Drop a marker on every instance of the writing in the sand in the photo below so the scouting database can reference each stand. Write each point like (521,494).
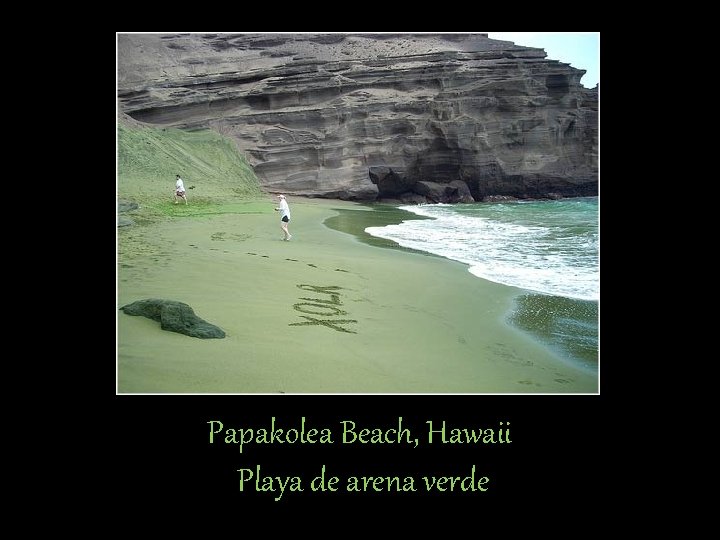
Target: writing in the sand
(323,310)
(399,433)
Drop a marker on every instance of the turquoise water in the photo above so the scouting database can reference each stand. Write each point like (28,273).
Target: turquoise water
(550,249)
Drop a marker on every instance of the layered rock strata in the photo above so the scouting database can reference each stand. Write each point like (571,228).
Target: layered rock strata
(375,116)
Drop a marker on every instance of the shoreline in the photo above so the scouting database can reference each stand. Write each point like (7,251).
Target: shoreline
(421,323)
(547,317)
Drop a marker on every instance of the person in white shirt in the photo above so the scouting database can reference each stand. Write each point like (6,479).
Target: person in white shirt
(179,189)
(284,210)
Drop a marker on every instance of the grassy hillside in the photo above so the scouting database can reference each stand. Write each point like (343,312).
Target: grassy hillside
(216,176)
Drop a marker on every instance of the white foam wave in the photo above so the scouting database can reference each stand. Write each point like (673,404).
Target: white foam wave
(550,259)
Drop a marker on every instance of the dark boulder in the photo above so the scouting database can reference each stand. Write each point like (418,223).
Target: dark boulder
(412,198)
(124,221)
(463,194)
(437,193)
(174,316)
(126,206)
(390,181)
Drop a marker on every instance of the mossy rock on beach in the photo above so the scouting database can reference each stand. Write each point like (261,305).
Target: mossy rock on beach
(174,316)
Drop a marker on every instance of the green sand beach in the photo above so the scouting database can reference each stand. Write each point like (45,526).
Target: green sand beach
(419,323)
(323,313)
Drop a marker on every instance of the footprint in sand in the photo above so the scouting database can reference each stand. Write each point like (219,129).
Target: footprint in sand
(563,381)
(295,260)
(529,382)
(217,236)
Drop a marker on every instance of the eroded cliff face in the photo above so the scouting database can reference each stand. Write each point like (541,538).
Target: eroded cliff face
(412,117)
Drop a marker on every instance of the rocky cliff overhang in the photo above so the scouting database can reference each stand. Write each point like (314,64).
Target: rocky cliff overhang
(375,116)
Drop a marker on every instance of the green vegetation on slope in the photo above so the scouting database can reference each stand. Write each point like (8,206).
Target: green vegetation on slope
(217,178)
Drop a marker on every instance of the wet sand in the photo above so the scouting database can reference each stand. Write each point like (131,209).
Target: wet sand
(412,323)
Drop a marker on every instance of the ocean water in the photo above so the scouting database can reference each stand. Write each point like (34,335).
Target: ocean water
(548,249)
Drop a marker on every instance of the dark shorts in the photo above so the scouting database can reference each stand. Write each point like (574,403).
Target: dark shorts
(285,219)
(179,193)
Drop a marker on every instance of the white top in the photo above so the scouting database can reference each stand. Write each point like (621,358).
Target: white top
(179,186)
(284,209)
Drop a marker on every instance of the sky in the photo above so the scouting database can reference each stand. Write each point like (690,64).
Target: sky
(579,49)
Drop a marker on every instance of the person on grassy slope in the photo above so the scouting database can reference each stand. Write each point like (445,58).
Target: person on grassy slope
(179,189)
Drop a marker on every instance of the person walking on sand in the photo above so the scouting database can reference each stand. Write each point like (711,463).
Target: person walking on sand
(284,210)
(179,189)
